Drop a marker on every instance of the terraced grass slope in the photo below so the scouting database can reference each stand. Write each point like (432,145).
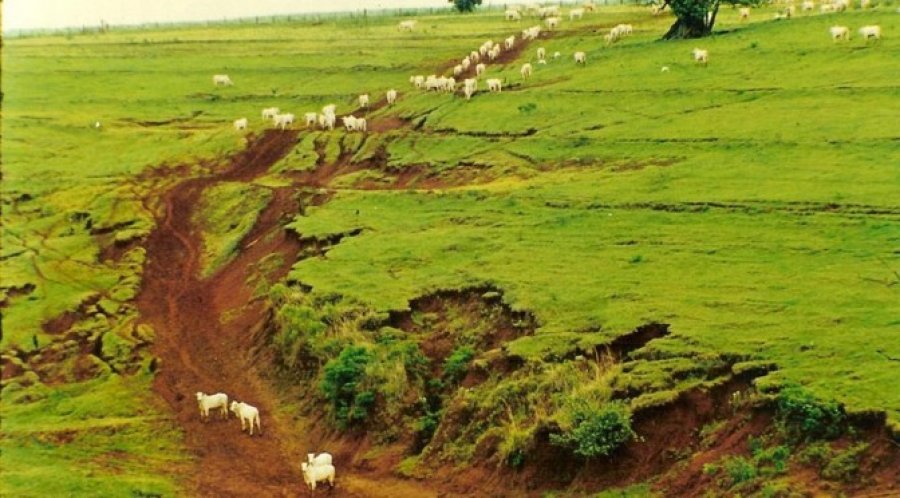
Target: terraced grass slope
(476,280)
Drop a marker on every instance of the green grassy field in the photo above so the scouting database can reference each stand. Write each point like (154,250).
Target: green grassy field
(751,204)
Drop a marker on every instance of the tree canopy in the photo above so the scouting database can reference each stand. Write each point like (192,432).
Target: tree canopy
(465,5)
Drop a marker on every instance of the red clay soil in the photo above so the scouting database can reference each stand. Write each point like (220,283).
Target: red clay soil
(202,350)
(198,352)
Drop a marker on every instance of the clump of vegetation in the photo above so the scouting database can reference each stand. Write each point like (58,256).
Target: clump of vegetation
(845,465)
(803,417)
(341,386)
(457,364)
(739,469)
(594,430)
(227,213)
(465,5)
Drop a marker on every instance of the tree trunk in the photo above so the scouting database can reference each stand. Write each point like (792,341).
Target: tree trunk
(693,25)
(687,27)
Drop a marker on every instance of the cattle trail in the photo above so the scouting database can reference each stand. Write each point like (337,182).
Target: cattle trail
(199,351)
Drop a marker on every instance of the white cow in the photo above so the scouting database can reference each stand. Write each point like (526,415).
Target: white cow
(310,118)
(391,96)
(222,80)
(526,70)
(249,415)
(364,100)
(552,23)
(327,121)
(479,69)
(240,124)
(541,53)
(873,31)
(745,13)
(580,58)
(208,402)
(314,474)
(283,120)
(495,85)
(406,25)
(513,15)
(839,33)
(270,112)
(576,13)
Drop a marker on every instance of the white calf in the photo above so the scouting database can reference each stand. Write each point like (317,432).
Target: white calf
(222,80)
(247,414)
(210,402)
(701,56)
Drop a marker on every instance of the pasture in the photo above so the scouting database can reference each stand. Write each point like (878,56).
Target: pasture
(750,206)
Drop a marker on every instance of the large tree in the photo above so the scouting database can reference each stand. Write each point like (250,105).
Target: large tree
(465,5)
(696,18)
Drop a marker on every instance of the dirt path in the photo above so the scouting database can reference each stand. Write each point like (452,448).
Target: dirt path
(204,333)
(201,352)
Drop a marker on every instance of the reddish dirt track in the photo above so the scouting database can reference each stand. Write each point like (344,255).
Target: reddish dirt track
(200,353)
(202,350)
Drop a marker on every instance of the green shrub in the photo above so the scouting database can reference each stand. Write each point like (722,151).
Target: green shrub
(776,456)
(457,364)
(425,427)
(341,386)
(739,469)
(803,417)
(815,454)
(845,465)
(595,431)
